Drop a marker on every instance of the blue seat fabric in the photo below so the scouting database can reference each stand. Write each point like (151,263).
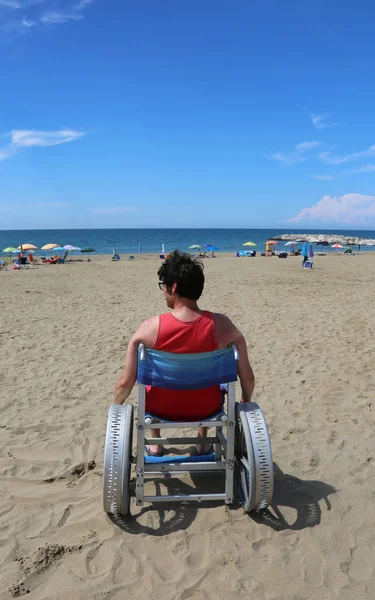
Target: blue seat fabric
(172,371)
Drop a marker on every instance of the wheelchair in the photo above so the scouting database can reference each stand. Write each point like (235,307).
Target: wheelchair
(242,449)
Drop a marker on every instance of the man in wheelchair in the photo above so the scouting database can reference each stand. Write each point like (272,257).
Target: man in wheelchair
(186,329)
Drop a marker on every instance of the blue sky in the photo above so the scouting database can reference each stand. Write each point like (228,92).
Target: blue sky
(177,113)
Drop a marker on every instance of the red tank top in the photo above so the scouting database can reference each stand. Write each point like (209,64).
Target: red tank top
(185,337)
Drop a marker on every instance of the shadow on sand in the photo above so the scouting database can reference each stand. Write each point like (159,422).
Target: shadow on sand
(172,516)
(289,491)
(302,496)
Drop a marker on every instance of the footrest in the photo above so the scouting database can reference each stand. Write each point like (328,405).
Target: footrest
(179,459)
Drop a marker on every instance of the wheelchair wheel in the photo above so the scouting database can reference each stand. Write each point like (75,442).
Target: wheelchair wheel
(254,457)
(117,459)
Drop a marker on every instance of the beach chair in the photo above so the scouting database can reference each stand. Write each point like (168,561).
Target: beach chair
(32,261)
(131,257)
(21,263)
(3,265)
(64,259)
(242,447)
(308,264)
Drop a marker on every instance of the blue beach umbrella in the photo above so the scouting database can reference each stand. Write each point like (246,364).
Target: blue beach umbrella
(304,250)
(212,248)
(311,252)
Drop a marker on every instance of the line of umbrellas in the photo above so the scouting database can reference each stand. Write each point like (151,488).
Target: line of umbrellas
(207,247)
(46,248)
(211,248)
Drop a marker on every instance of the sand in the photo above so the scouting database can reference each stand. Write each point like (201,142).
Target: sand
(64,330)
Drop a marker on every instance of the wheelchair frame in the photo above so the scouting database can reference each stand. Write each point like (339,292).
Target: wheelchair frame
(244,454)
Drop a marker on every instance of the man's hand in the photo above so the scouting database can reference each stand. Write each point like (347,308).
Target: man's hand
(146,334)
(128,378)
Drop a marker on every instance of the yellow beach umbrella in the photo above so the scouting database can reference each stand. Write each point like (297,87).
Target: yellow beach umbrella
(26,247)
(249,244)
(50,246)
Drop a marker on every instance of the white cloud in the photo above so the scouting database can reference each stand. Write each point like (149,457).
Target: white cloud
(54,17)
(71,10)
(6,153)
(113,210)
(50,204)
(287,159)
(307,146)
(337,160)
(10,3)
(298,155)
(74,13)
(18,4)
(350,209)
(320,121)
(325,177)
(25,138)
(364,169)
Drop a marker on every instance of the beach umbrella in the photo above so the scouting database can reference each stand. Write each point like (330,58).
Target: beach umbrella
(212,248)
(50,246)
(88,250)
(311,252)
(10,250)
(195,247)
(337,246)
(249,244)
(291,243)
(59,248)
(26,247)
(75,249)
(304,250)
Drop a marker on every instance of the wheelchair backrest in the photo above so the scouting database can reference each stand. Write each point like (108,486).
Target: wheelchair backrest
(172,371)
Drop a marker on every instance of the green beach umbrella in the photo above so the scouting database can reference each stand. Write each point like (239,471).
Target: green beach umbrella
(195,247)
(9,250)
(249,244)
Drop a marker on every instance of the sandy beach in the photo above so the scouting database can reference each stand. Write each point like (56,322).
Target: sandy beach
(64,331)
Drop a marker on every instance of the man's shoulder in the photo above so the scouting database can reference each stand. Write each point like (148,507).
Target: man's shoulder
(225,329)
(150,322)
(153,319)
(222,319)
(147,331)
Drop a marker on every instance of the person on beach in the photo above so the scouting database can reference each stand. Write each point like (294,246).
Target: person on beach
(186,329)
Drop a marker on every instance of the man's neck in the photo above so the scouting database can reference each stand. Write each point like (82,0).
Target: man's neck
(182,305)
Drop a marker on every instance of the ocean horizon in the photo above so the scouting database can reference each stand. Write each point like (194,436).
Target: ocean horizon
(150,240)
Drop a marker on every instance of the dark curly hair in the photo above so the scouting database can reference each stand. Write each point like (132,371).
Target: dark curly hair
(187,273)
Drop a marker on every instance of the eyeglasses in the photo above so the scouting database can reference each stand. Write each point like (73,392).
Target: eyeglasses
(161,285)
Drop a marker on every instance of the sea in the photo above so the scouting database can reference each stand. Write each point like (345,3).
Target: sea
(133,241)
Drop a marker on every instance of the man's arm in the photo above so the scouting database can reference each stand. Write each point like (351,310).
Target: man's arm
(245,371)
(227,332)
(146,334)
